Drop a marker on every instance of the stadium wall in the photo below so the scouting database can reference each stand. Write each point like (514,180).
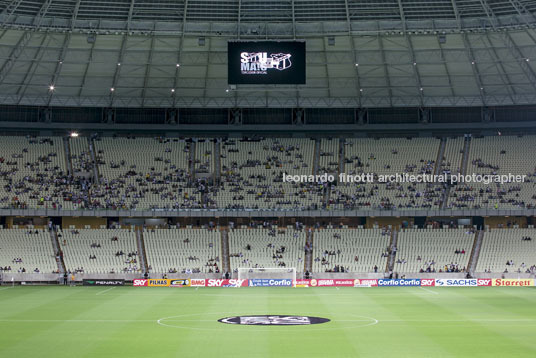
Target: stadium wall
(7,278)
(259,116)
(232,213)
(82,222)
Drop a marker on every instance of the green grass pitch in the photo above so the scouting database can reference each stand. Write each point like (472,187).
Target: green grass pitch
(182,322)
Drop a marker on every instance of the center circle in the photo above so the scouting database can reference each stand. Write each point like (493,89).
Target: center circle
(212,321)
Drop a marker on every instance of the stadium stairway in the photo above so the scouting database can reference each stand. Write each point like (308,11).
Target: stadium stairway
(342,155)
(475,252)
(316,159)
(217,161)
(68,158)
(191,162)
(392,254)
(465,157)
(440,156)
(205,198)
(141,250)
(91,145)
(437,170)
(226,262)
(56,245)
(326,196)
(308,260)
(445,197)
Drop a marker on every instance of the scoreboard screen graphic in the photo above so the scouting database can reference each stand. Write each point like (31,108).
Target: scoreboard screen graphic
(266,62)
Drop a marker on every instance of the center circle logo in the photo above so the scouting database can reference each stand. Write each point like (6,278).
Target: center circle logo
(273,320)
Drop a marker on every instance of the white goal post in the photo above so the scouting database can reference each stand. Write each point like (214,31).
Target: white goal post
(288,273)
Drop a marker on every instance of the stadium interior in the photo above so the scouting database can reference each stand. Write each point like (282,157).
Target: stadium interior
(212,205)
(138,147)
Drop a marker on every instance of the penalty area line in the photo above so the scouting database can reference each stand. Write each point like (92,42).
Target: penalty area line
(427,290)
(103,292)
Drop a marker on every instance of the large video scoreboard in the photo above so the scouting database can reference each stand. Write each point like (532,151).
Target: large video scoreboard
(266,62)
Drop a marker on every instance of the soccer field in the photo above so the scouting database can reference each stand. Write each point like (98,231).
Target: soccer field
(183,322)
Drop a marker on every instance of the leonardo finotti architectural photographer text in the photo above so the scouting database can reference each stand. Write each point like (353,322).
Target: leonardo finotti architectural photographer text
(405,178)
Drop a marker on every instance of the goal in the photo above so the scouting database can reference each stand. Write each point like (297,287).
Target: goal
(288,273)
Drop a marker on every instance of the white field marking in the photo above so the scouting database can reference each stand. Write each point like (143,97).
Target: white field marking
(462,320)
(300,295)
(4,288)
(211,320)
(427,290)
(106,290)
(373,320)
(76,320)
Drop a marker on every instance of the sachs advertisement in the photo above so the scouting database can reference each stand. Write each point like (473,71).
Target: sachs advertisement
(457,282)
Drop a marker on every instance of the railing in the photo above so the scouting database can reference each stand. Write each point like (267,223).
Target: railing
(291,212)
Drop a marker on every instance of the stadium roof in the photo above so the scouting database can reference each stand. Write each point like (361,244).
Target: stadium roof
(380,53)
(262,11)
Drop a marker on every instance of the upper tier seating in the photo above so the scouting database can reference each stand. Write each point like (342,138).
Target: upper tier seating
(203,156)
(452,157)
(388,156)
(32,172)
(80,155)
(329,156)
(163,173)
(499,155)
(145,173)
(252,174)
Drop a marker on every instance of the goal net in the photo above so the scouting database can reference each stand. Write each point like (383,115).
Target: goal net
(287,273)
